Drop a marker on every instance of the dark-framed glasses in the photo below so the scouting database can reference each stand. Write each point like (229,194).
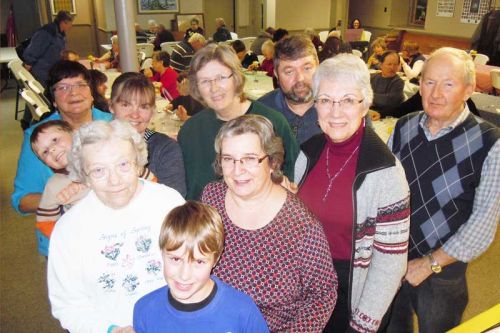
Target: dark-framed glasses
(247,162)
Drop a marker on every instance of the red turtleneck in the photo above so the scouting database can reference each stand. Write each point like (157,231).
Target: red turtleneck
(336,211)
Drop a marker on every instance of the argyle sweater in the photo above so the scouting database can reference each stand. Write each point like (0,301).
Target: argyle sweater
(443,175)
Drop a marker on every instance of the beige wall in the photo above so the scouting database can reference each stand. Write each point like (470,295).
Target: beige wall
(299,14)
(372,14)
(448,26)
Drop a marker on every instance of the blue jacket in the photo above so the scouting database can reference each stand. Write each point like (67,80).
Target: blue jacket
(44,51)
(32,174)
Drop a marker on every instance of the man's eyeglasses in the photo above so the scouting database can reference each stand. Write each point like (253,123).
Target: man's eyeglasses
(101,173)
(67,88)
(219,80)
(344,103)
(247,162)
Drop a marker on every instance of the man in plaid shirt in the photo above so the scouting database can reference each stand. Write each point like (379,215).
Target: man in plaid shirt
(452,164)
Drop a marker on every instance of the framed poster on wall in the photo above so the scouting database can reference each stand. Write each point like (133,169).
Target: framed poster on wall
(157,6)
(184,21)
(57,5)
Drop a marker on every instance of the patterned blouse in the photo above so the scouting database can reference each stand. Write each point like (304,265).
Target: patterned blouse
(284,266)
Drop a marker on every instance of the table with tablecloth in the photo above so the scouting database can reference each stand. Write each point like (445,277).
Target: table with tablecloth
(483,79)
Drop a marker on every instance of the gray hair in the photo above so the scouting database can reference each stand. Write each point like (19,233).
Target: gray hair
(269,141)
(345,67)
(196,37)
(114,39)
(103,132)
(467,64)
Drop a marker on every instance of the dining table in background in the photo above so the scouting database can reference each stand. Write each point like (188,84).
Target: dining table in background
(257,84)
(483,79)
(163,121)
(384,127)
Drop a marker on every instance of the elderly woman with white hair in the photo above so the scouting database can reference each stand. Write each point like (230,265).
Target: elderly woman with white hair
(104,253)
(353,184)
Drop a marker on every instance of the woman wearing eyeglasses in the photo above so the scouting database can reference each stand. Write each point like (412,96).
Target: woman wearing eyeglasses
(275,249)
(104,252)
(216,80)
(353,184)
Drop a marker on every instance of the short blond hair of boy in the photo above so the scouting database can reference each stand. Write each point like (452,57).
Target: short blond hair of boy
(193,224)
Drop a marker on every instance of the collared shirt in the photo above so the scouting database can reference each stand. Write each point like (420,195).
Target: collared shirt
(445,130)
(303,127)
(476,235)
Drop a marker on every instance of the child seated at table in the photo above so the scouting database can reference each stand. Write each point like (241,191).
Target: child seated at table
(191,241)
(51,142)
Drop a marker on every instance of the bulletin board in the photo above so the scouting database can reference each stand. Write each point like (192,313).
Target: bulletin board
(474,10)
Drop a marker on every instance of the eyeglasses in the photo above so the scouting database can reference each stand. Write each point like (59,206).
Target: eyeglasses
(67,88)
(220,80)
(101,173)
(344,103)
(247,162)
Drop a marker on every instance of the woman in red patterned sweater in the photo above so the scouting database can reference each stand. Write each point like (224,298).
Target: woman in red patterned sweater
(275,249)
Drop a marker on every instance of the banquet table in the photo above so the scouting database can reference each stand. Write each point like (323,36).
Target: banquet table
(165,122)
(483,79)
(488,107)
(257,84)
(384,127)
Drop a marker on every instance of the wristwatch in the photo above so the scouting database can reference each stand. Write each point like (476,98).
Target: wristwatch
(435,266)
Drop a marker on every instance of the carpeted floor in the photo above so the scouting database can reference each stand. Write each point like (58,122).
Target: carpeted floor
(23,291)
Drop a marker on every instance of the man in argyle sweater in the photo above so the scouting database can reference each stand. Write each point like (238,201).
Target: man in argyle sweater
(452,163)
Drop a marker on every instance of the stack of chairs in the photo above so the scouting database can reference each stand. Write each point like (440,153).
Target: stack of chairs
(30,90)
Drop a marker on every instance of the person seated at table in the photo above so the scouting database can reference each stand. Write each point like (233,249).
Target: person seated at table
(279,34)
(275,249)
(140,35)
(267,64)
(331,48)
(104,253)
(110,59)
(248,59)
(355,24)
(184,51)
(164,74)
(163,35)
(185,104)
(191,242)
(152,27)
(69,85)
(51,142)
(387,85)
(216,80)
(194,29)
(98,86)
(222,34)
(256,46)
(313,35)
(69,55)
(133,100)
(412,61)
(353,184)
(378,48)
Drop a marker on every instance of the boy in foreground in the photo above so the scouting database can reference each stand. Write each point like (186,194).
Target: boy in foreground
(192,240)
